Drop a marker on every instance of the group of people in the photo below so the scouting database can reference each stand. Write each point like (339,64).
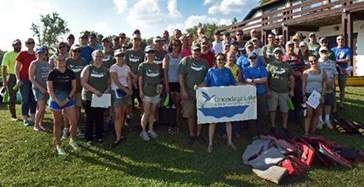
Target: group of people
(139,73)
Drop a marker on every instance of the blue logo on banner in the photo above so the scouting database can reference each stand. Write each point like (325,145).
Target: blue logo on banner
(219,112)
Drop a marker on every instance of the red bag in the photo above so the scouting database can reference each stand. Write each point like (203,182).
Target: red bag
(325,150)
(294,166)
(307,153)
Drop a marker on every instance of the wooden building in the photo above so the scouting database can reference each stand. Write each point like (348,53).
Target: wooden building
(327,18)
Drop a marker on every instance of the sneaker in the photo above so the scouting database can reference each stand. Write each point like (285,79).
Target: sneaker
(152,134)
(232,146)
(144,136)
(60,151)
(89,143)
(41,127)
(13,119)
(320,124)
(65,133)
(74,145)
(126,124)
(26,123)
(128,116)
(200,139)
(328,124)
(209,149)
(36,129)
(191,140)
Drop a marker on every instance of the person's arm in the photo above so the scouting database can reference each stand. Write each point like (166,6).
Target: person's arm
(141,91)
(165,67)
(5,75)
(292,85)
(324,84)
(84,82)
(304,82)
(130,90)
(18,66)
(74,88)
(51,93)
(115,80)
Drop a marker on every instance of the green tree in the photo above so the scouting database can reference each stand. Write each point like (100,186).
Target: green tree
(209,29)
(235,20)
(51,28)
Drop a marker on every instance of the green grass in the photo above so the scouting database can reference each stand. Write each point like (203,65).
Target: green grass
(28,158)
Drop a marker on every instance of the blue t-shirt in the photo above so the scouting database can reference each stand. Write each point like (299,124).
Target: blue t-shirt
(255,73)
(243,61)
(342,53)
(219,77)
(85,53)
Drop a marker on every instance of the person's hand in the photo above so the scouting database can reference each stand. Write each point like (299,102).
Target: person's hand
(5,83)
(135,84)
(167,88)
(184,95)
(269,94)
(19,83)
(129,92)
(141,94)
(98,93)
(322,99)
(291,93)
(60,103)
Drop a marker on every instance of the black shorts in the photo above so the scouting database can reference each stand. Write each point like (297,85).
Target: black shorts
(330,98)
(174,87)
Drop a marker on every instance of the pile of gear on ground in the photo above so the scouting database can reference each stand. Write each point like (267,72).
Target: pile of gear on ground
(273,158)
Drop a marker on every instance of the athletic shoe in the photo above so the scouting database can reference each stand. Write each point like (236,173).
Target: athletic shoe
(209,149)
(60,151)
(191,140)
(328,124)
(26,123)
(320,124)
(144,136)
(13,119)
(36,129)
(128,116)
(42,128)
(152,134)
(126,124)
(232,146)
(74,145)
(200,139)
(65,133)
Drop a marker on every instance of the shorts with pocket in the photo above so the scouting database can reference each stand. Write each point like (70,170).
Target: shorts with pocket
(278,99)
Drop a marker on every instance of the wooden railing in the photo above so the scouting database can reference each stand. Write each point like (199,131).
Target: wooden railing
(300,12)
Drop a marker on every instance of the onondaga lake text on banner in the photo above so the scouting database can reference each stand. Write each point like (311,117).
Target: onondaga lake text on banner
(225,104)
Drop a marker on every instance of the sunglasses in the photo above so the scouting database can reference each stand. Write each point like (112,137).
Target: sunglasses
(76,51)
(197,50)
(122,37)
(28,43)
(62,46)
(220,59)
(313,61)
(253,58)
(120,55)
(239,34)
(151,52)
(205,43)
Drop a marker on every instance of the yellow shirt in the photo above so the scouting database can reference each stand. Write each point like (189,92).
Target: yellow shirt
(9,61)
(235,70)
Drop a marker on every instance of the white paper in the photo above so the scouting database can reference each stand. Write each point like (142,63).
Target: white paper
(101,102)
(314,99)
(349,69)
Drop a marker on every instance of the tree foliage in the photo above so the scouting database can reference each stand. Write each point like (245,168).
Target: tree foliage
(209,29)
(52,26)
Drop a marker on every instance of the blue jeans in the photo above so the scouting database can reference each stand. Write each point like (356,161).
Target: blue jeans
(27,98)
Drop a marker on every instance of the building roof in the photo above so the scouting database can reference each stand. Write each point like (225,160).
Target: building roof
(263,6)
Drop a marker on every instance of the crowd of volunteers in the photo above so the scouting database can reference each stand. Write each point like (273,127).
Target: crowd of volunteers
(137,75)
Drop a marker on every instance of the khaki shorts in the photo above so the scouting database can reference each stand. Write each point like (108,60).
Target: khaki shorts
(280,99)
(189,108)
(124,101)
(78,101)
(154,99)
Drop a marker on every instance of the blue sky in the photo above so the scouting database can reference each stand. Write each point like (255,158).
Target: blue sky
(108,17)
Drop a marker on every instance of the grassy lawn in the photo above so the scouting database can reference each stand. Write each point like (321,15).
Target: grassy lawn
(28,158)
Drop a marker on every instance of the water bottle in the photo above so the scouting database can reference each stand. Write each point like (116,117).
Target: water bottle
(290,104)
(304,107)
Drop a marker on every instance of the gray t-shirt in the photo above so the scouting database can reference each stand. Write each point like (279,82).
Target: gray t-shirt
(41,72)
(152,76)
(133,59)
(329,67)
(159,56)
(194,71)
(76,66)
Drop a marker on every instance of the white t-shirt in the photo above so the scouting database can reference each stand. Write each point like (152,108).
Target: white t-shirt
(217,47)
(122,73)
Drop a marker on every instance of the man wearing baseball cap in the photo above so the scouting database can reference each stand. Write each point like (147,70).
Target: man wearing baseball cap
(313,46)
(280,87)
(240,42)
(85,50)
(160,53)
(8,74)
(192,71)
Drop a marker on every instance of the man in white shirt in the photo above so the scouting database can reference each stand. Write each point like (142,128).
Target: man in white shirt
(217,46)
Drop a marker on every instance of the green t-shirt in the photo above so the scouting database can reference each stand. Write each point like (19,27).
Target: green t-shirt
(314,48)
(194,71)
(133,59)
(9,61)
(108,59)
(152,76)
(278,76)
(98,78)
(76,66)
(267,53)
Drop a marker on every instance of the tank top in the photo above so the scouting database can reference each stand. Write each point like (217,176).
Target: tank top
(98,79)
(314,82)
(41,72)
(173,68)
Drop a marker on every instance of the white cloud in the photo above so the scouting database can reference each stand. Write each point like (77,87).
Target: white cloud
(121,5)
(172,8)
(230,6)
(18,16)
(206,2)
(144,14)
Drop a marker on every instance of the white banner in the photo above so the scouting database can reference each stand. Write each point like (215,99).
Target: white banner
(225,104)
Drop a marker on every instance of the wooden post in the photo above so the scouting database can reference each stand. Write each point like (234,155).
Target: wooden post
(344,26)
(264,36)
(285,33)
